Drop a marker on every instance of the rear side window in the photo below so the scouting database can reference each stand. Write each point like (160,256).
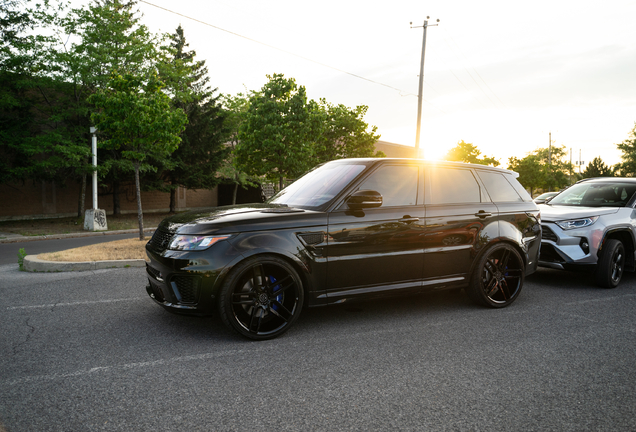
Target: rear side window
(452,186)
(499,189)
(396,183)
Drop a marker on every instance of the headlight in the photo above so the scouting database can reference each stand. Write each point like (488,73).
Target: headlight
(194,242)
(577,223)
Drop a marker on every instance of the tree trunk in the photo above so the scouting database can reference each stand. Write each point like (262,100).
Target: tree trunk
(235,193)
(280,183)
(173,200)
(116,206)
(81,204)
(140,214)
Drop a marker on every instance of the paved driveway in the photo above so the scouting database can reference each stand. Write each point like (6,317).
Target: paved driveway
(88,351)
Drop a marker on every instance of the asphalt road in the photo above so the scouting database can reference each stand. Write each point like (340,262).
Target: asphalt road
(9,251)
(90,352)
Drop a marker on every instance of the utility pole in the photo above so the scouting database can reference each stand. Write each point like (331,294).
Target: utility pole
(419,94)
(550,149)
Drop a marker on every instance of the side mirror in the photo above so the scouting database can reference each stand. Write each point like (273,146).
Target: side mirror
(364,199)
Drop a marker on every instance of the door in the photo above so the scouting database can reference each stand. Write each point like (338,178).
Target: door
(460,221)
(378,249)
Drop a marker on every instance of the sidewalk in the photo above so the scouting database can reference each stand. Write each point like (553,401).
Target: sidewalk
(16,238)
(34,264)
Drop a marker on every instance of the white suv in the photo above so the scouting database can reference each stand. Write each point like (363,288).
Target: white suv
(591,225)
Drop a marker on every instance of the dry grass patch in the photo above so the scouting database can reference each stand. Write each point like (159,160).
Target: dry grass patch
(115,250)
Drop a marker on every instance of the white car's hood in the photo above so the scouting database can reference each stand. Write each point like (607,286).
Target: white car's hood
(560,212)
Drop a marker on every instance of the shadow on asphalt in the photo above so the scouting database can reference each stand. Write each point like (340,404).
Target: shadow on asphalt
(561,279)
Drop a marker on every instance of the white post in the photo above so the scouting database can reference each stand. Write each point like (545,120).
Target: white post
(94,148)
(95,219)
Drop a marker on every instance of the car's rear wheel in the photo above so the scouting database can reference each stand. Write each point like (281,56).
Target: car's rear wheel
(498,277)
(611,264)
(261,297)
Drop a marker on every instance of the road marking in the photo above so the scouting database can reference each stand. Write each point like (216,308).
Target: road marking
(126,366)
(88,302)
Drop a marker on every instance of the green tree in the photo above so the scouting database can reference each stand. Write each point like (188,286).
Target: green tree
(530,171)
(627,166)
(556,171)
(342,132)
(195,163)
(38,141)
(597,168)
(137,118)
(274,138)
(110,39)
(235,111)
(467,152)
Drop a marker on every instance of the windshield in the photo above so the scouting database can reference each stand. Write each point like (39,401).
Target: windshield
(319,185)
(592,194)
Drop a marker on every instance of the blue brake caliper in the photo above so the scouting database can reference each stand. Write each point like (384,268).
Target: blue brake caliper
(276,288)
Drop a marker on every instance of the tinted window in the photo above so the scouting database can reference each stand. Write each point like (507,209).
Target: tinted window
(452,186)
(523,193)
(498,187)
(396,183)
(318,186)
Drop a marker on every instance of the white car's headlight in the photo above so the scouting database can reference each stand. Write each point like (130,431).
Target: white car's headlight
(577,223)
(193,242)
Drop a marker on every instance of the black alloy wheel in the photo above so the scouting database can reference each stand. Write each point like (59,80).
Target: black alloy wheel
(611,264)
(261,297)
(498,276)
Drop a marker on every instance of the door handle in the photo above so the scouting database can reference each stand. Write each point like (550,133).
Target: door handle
(482,214)
(409,219)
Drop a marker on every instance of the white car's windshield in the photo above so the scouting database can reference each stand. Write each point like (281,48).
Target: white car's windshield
(318,186)
(596,194)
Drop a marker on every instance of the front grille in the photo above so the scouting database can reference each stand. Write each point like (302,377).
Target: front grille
(548,234)
(160,239)
(187,288)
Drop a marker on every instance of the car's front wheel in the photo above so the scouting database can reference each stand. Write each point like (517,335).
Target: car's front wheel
(261,297)
(498,276)
(611,264)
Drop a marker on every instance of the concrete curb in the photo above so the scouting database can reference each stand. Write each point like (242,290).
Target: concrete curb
(19,238)
(34,264)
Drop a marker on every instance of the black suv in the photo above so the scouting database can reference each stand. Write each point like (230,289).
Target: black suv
(347,229)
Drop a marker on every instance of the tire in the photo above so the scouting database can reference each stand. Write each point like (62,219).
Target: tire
(261,297)
(498,277)
(611,264)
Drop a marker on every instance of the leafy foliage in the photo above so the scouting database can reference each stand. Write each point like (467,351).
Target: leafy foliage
(343,133)
(275,136)
(136,117)
(530,171)
(235,109)
(627,168)
(597,168)
(543,168)
(195,163)
(468,152)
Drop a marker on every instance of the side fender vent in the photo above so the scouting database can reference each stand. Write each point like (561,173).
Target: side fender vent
(312,238)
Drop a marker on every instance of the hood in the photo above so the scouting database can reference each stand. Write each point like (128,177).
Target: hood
(242,218)
(560,212)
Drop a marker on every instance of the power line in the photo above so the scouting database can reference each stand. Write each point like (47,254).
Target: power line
(402,92)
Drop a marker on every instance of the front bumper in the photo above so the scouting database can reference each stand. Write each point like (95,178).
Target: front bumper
(186,281)
(563,249)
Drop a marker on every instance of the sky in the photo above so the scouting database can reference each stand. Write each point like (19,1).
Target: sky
(499,74)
